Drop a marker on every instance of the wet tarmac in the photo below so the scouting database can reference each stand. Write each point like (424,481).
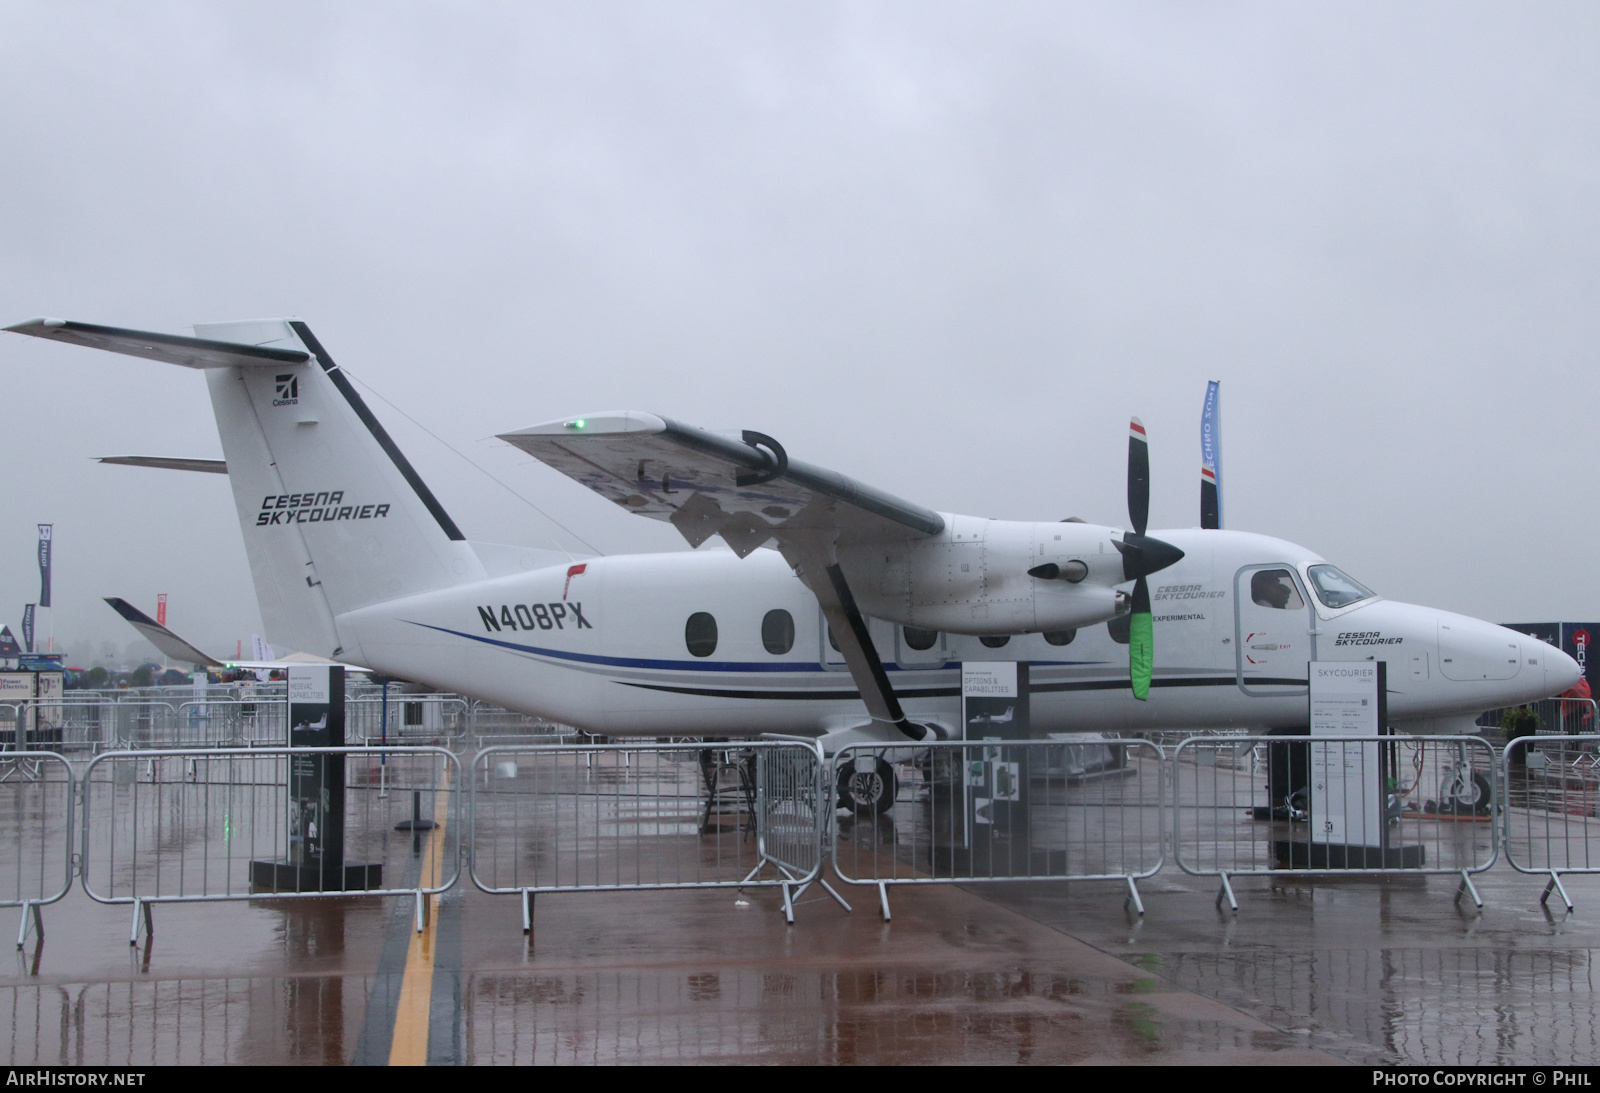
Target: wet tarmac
(678,976)
(1326,971)
(1369,970)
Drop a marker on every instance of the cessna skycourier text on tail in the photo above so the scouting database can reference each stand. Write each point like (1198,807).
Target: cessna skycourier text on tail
(853,625)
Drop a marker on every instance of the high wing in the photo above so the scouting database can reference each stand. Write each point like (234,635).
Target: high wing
(159,636)
(750,492)
(704,484)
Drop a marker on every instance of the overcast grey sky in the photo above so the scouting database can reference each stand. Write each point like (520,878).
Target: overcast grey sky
(943,248)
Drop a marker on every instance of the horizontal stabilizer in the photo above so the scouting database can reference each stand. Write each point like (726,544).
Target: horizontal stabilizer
(163,639)
(171,348)
(207,466)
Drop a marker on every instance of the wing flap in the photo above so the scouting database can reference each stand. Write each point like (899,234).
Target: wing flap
(169,348)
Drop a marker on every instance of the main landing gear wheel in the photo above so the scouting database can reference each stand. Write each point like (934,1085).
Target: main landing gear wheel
(1475,796)
(868,792)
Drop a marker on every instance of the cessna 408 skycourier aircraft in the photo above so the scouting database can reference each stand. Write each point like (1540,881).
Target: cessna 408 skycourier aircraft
(853,627)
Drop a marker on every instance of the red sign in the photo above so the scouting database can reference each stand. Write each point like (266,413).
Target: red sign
(1580,638)
(161,609)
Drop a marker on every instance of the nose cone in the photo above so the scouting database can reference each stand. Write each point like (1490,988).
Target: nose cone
(1142,555)
(1561,672)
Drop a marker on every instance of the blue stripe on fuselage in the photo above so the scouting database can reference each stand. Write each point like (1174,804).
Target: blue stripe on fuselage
(692,665)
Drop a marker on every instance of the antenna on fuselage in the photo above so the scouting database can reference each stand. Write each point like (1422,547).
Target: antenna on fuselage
(1211,458)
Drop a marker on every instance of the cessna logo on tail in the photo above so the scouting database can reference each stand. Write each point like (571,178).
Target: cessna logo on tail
(288,390)
(314,508)
(535,616)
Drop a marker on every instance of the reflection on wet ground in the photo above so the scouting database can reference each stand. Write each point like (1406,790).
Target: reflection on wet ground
(1369,970)
(640,977)
(1348,970)
(179,1021)
(889,1016)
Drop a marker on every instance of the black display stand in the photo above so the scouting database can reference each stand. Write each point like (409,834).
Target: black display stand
(316,795)
(1291,764)
(993,781)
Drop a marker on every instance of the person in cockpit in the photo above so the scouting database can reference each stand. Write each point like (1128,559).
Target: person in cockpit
(1274,588)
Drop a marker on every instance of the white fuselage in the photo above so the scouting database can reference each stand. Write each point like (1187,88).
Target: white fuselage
(606,650)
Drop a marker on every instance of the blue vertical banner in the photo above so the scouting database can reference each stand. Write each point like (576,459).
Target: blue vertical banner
(45,531)
(27,628)
(1211,458)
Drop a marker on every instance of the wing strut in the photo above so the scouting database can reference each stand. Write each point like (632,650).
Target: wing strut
(860,655)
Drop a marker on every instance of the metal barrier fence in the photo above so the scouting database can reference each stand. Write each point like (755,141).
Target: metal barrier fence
(493,723)
(1168,739)
(247,715)
(1337,806)
(187,825)
(232,723)
(170,825)
(91,721)
(609,817)
(73,723)
(1088,808)
(1552,790)
(1546,717)
(406,718)
(36,866)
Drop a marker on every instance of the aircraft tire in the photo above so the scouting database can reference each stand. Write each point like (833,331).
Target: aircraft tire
(868,794)
(1479,799)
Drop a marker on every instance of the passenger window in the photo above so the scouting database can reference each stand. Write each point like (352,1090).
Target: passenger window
(700,634)
(777,631)
(995,641)
(919,639)
(1275,588)
(1060,637)
(1121,629)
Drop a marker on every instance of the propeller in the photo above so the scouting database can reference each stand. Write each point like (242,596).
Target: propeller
(1141,556)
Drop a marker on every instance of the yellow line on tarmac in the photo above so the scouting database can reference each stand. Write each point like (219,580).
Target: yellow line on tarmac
(410,1046)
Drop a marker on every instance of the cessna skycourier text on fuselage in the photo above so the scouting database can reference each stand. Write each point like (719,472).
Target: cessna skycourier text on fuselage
(854,624)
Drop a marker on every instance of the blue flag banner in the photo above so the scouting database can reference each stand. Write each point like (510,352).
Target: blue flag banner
(27,628)
(45,531)
(1211,458)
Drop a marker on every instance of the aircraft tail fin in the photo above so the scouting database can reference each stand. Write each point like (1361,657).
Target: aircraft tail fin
(335,518)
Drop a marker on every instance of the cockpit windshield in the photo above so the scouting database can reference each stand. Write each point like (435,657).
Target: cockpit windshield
(1335,589)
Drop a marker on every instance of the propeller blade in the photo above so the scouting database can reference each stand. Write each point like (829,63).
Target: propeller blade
(1138,476)
(1141,641)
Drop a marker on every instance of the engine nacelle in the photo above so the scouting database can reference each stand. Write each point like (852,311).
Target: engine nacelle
(974,578)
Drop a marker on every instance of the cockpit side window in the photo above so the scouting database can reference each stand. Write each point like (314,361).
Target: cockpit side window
(1275,588)
(1335,589)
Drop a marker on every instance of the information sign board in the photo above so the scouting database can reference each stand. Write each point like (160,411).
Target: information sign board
(1347,779)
